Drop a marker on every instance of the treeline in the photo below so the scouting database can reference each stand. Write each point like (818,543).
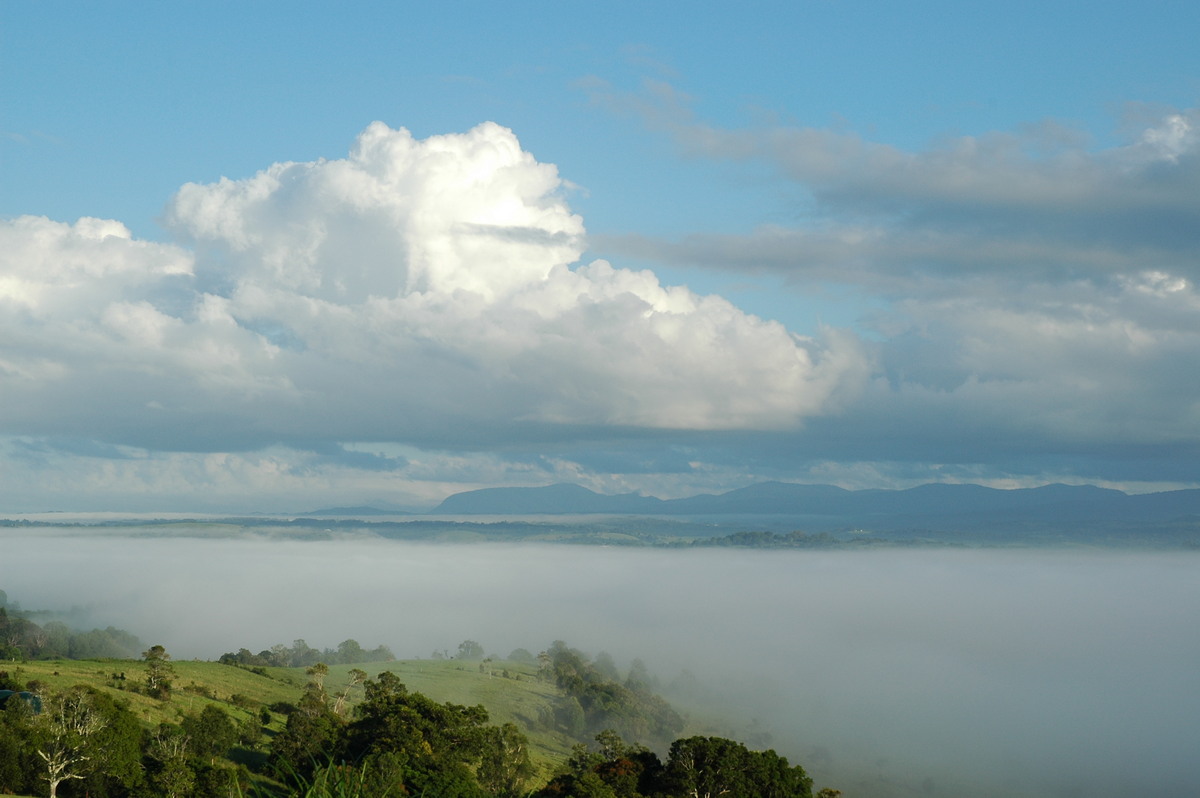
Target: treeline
(302,655)
(775,540)
(695,766)
(761,539)
(22,638)
(596,699)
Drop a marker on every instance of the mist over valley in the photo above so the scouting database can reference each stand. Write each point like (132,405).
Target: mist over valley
(884,673)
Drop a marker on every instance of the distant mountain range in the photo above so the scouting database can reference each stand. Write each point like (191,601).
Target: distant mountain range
(934,505)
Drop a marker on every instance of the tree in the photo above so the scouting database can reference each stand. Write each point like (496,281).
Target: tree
(317,674)
(772,776)
(504,766)
(606,667)
(350,653)
(280,656)
(116,750)
(613,769)
(210,734)
(357,677)
(80,735)
(13,630)
(159,672)
(168,752)
(569,716)
(469,649)
(392,719)
(70,720)
(707,767)
(311,733)
(303,655)
(584,785)
(522,655)
(607,704)
(20,737)
(640,680)
(434,746)
(58,643)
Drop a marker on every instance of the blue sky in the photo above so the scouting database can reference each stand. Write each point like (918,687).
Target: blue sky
(873,244)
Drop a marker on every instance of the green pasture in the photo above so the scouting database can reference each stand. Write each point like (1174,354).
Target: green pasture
(239,692)
(510,691)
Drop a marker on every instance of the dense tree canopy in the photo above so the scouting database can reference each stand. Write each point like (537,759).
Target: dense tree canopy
(696,767)
(594,701)
(22,638)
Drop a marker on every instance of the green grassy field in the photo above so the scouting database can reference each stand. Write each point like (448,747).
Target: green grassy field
(518,697)
(196,684)
(510,691)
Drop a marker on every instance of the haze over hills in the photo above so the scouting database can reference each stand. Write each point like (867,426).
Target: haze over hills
(932,506)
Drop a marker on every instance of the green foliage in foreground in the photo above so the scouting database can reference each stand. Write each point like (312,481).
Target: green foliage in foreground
(331,732)
(699,767)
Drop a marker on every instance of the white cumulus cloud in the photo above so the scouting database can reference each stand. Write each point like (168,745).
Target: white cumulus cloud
(415,290)
(468,211)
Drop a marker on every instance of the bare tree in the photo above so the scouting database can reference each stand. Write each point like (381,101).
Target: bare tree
(357,677)
(70,719)
(317,674)
(170,747)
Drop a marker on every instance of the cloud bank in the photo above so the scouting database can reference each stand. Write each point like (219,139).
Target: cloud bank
(1031,294)
(417,291)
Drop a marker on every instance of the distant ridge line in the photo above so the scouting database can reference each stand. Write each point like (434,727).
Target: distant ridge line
(940,500)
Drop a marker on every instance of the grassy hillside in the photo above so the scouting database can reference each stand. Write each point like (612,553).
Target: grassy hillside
(518,697)
(510,691)
(237,691)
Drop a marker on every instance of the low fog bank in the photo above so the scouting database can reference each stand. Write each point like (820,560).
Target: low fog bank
(888,673)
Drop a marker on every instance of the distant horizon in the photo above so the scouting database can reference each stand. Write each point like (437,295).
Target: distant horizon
(384,507)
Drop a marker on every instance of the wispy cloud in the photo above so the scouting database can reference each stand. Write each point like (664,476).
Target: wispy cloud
(1034,293)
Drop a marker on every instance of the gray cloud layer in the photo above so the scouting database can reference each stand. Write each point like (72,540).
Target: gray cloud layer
(1034,293)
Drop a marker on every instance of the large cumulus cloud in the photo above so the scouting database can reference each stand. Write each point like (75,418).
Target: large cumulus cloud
(471,212)
(417,290)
